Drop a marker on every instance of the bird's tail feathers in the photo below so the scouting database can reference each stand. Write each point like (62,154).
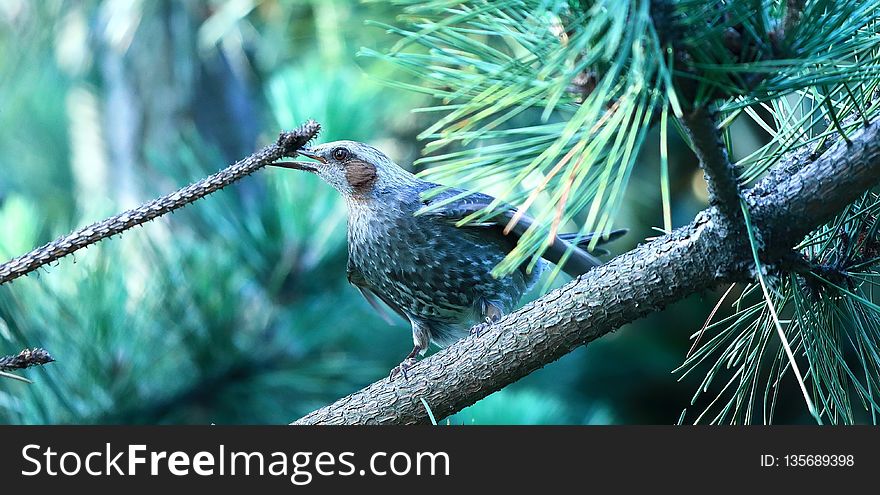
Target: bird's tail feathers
(585,240)
(580,260)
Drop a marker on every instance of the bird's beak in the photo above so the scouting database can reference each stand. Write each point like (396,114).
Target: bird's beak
(307,166)
(311,154)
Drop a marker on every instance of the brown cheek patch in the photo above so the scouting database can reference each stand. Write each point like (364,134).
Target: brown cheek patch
(360,175)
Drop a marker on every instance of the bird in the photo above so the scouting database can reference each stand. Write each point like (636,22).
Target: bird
(407,253)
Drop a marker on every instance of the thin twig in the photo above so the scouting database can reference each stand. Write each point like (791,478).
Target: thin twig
(25,359)
(794,10)
(286,146)
(719,172)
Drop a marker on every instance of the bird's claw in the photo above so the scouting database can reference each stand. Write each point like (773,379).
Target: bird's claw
(402,368)
(479,328)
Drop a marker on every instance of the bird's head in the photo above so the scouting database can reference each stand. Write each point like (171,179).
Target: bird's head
(356,170)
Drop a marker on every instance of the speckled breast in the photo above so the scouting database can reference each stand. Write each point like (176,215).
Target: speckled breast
(427,267)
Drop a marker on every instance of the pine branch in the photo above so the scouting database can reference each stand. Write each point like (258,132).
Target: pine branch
(691,259)
(286,146)
(721,182)
(794,10)
(25,359)
(700,122)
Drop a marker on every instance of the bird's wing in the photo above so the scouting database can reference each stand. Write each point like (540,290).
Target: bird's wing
(579,261)
(357,279)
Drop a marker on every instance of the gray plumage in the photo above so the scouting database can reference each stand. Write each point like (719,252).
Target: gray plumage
(430,272)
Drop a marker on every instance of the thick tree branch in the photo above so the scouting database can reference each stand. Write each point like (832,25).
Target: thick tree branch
(286,146)
(691,259)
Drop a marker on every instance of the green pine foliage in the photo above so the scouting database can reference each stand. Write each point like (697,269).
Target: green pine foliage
(545,102)
(830,320)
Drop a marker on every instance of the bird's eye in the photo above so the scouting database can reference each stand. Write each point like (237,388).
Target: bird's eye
(340,154)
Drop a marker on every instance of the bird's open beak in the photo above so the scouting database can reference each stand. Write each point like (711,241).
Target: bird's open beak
(307,166)
(311,154)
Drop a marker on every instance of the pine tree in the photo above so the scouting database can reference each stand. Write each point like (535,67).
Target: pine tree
(561,95)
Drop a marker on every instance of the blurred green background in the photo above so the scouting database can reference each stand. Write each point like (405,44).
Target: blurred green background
(237,309)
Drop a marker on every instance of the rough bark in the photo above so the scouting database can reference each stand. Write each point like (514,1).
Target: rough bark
(25,359)
(700,123)
(784,207)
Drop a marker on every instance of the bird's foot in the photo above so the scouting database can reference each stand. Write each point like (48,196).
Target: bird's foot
(402,368)
(479,328)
